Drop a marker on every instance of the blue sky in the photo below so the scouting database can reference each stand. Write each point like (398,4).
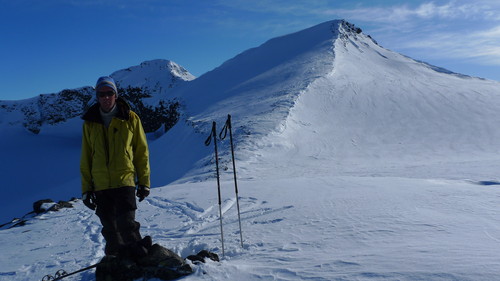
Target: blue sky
(50,45)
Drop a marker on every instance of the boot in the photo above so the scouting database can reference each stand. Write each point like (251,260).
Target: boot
(146,242)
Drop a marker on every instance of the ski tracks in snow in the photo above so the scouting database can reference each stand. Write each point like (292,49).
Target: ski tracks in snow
(197,221)
(90,240)
(92,232)
(33,252)
(189,228)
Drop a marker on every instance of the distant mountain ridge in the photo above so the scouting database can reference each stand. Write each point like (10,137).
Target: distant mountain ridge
(146,86)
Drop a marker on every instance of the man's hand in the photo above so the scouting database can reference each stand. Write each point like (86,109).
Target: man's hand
(142,192)
(88,199)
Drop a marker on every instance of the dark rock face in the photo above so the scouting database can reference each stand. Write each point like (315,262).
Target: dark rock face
(164,115)
(53,109)
(160,263)
(38,206)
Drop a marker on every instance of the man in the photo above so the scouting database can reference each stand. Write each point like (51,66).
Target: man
(114,158)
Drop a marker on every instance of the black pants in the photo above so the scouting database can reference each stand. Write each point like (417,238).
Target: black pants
(116,210)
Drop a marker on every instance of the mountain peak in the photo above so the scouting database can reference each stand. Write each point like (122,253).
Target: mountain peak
(307,53)
(344,30)
(159,76)
(348,27)
(174,68)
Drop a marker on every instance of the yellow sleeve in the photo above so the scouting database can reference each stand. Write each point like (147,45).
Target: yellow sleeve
(86,160)
(141,153)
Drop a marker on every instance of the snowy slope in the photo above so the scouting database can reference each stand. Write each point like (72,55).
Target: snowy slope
(377,110)
(355,163)
(259,87)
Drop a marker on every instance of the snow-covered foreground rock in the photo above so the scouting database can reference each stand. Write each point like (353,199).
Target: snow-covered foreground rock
(317,228)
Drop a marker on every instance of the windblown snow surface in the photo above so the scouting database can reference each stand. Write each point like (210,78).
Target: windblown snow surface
(353,163)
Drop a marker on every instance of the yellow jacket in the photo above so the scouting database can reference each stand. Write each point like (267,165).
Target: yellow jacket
(116,156)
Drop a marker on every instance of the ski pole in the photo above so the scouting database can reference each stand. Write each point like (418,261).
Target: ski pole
(60,274)
(226,127)
(207,143)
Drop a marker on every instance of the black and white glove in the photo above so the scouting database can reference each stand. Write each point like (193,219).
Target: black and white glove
(88,199)
(142,192)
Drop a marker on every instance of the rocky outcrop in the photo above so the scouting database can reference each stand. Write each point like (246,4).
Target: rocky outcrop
(39,207)
(160,263)
(46,205)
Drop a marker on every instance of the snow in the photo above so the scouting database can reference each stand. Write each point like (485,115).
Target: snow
(353,163)
(340,228)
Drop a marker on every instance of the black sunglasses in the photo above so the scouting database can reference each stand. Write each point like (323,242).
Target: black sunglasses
(105,94)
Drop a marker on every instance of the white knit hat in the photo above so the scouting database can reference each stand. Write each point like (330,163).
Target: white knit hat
(106,81)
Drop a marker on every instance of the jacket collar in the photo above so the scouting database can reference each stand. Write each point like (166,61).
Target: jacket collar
(93,114)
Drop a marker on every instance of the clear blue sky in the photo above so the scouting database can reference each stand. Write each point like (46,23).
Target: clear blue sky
(50,45)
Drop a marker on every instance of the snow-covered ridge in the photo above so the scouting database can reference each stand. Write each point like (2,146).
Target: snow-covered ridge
(154,79)
(375,108)
(46,109)
(339,96)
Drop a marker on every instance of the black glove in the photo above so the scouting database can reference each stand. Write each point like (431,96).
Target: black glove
(88,199)
(142,192)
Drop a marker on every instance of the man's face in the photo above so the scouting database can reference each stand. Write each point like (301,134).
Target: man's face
(107,98)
